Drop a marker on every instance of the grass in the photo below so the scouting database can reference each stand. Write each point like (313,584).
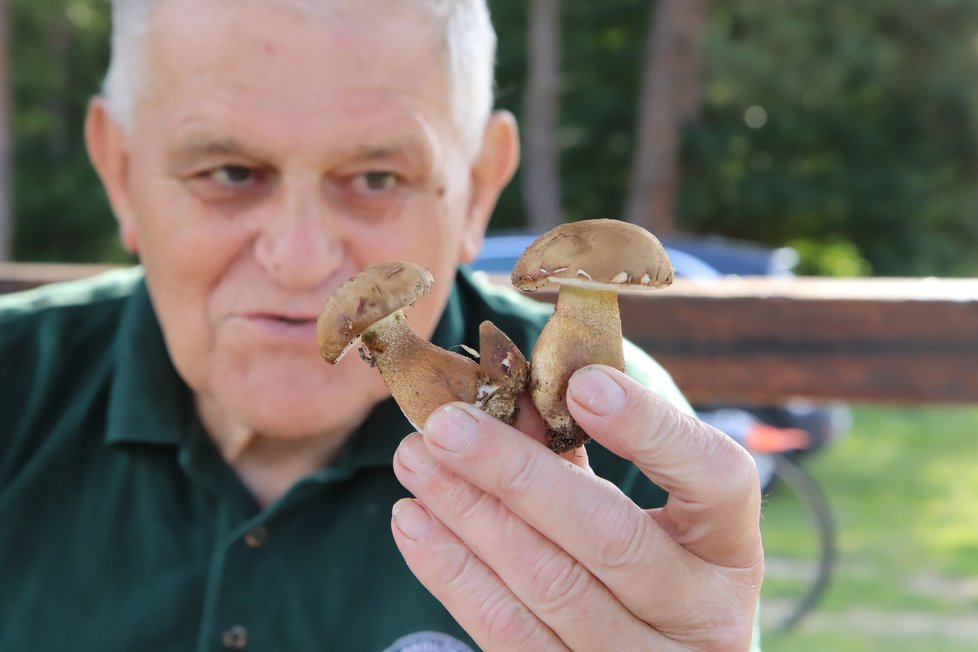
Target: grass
(903,486)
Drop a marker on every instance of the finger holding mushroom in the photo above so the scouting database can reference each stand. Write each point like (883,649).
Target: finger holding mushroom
(420,375)
(590,262)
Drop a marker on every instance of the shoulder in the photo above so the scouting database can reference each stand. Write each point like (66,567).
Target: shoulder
(49,301)
(643,368)
(63,315)
(52,337)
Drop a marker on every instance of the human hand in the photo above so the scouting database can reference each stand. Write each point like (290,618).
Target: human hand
(532,551)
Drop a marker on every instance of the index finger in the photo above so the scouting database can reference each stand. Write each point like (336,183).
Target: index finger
(713,508)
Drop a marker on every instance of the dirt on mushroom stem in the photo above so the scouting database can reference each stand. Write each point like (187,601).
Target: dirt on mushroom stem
(584,329)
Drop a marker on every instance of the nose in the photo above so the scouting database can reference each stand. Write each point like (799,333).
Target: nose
(300,245)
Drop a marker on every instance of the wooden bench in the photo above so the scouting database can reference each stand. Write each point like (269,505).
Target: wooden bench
(764,340)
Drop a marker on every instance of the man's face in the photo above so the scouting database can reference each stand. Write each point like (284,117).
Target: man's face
(273,156)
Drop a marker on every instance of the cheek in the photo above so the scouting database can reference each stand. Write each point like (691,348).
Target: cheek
(179,237)
(186,254)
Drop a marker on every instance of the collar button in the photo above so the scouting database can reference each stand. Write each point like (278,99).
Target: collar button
(235,637)
(256,538)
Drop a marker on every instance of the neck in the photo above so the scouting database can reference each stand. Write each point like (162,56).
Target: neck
(267,465)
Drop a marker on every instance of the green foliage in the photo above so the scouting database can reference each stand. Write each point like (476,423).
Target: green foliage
(848,127)
(869,133)
(59,51)
(823,257)
(603,48)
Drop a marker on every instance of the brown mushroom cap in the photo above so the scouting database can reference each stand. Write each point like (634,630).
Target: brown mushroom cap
(376,292)
(599,254)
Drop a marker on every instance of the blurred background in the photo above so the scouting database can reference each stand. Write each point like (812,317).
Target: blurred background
(847,131)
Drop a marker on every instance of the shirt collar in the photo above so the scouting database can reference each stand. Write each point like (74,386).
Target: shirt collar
(149,403)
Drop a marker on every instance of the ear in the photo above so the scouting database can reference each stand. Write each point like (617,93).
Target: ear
(108,149)
(492,169)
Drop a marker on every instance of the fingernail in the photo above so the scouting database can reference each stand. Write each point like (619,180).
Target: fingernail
(451,428)
(412,455)
(596,391)
(411,519)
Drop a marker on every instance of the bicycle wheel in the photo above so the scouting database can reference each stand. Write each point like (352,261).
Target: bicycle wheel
(799,546)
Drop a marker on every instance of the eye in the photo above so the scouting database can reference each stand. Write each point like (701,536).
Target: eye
(232,175)
(370,183)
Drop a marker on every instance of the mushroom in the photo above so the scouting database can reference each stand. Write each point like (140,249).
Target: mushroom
(420,376)
(590,261)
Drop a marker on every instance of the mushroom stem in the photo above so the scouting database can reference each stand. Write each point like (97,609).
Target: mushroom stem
(584,329)
(419,375)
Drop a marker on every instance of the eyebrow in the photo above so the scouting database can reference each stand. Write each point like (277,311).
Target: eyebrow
(403,148)
(194,149)
(187,153)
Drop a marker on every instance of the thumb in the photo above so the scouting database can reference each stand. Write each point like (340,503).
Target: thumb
(714,494)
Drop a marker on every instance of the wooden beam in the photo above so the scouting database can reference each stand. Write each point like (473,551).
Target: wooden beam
(16,277)
(764,340)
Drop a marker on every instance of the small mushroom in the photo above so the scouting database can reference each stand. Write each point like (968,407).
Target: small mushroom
(590,261)
(420,376)
(503,373)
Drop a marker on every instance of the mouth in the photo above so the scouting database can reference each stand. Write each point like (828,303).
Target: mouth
(291,320)
(291,326)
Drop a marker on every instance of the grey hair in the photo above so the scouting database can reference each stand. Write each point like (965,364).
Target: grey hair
(469,43)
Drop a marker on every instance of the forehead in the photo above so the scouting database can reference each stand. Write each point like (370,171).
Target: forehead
(368,61)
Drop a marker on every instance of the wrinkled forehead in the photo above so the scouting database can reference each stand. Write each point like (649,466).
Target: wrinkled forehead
(367,43)
(288,82)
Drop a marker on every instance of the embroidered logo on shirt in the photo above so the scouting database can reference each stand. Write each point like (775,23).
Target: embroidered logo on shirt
(428,642)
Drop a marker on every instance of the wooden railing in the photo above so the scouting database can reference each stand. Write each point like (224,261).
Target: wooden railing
(763,340)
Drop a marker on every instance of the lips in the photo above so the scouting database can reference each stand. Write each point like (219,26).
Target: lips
(290,325)
(283,316)
(289,320)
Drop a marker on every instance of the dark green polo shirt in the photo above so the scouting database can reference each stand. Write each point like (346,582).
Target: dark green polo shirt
(122,528)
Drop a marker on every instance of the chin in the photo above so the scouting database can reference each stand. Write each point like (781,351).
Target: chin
(284,417)
(294,405)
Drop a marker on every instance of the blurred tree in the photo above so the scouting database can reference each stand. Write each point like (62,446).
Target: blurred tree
(541,171)
(821,123)
(58,49)
(829,123)
(669,99)
(6,212)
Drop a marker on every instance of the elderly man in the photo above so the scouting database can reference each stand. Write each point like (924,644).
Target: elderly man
(180,470)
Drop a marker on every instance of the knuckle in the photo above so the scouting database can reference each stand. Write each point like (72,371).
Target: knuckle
(558,582)
(468,502)
(517,474)
(732,466)
(666,428)
(507,623)
(457,565)
(623,540)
